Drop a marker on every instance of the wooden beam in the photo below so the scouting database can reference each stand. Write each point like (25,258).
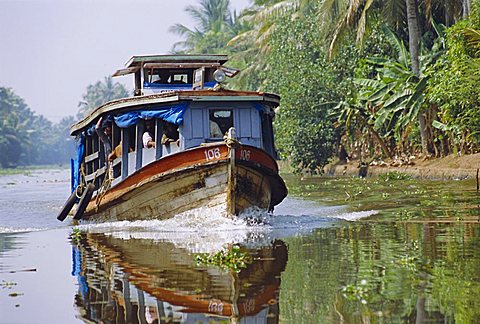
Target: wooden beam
(139,145)
(124,142)
(184,65)
(158,138)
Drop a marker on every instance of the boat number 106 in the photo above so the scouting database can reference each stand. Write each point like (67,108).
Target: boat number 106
(245,155)
(212,154)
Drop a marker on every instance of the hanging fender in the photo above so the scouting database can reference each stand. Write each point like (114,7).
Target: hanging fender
(67,207)
(84,200)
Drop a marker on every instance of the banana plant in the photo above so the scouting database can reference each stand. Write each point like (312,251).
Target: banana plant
(354,116)
(397,94)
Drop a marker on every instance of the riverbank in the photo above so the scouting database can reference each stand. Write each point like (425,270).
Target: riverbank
(447,168)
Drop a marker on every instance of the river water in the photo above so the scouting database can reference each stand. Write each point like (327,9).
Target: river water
(337,250)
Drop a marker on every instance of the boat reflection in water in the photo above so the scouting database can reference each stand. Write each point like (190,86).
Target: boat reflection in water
(146,281)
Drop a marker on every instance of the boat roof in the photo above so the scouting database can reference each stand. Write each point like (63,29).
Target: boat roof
(171,61)
(132,103)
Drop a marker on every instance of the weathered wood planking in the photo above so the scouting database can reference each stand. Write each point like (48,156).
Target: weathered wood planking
(193,179)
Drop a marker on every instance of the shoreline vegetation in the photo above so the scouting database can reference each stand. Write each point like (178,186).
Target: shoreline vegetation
(26,170)
(451,167)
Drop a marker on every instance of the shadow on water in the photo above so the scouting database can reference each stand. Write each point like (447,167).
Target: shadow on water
(147,281)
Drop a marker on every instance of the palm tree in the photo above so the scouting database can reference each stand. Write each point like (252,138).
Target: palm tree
(211,16)
(100,93)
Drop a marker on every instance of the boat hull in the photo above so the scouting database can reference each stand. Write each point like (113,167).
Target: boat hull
(194,179)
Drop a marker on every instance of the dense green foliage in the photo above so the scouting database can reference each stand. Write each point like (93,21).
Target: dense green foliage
(26,138)
(386,97)
(304,78)
(455,88)
(30,139)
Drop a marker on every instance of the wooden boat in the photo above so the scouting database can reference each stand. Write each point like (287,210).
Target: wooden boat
(125,281)
(199,167)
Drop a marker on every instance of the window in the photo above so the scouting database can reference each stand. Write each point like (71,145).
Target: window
(220,120)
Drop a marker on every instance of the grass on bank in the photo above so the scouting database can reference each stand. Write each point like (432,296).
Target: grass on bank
(27,170)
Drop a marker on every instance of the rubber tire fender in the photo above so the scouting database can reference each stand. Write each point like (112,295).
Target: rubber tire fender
(84,200)
(67,207)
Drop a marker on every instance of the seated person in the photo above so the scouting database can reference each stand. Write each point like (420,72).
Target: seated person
(148,137)
(215,131)
(117,152)
(163,77)
(170,134)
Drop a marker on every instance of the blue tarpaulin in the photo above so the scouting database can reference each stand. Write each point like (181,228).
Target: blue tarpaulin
(80,149)
(171,113)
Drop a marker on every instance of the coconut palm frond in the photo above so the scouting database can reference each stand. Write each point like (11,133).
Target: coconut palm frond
(180,29)
(473,38)
(363,21)
(394,11)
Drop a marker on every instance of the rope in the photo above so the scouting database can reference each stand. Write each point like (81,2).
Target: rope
(230,139)
(82,184)
(107,182)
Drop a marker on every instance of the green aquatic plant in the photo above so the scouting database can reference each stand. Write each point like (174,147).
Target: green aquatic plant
(394,175)
(405,214)
(356,292)
(356,189)
(229,259)
(75,235)
(15,294)
(7,284)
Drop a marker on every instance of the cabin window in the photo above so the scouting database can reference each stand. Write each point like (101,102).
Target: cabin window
(179,78)
(220,121)
(164,76)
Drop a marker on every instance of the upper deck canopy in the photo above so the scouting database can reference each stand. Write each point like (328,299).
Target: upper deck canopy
(171,61)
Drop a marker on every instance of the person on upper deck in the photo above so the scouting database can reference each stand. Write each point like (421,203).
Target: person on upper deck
(103,128)
(148,135)
(170,134)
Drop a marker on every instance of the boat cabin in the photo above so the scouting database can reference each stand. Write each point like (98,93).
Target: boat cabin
(179,104)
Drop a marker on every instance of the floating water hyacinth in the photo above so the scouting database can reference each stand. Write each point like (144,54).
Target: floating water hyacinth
(229,259)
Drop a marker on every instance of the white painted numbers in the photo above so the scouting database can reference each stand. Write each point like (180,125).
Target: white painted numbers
(245,155)
(212,154)
(215,306)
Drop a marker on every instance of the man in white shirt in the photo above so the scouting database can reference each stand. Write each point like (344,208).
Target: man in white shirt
(147,137)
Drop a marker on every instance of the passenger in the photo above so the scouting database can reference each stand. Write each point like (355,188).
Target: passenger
(170,134)
(104,132)
(117,152)
(215,131)
(163,77)
(148,137)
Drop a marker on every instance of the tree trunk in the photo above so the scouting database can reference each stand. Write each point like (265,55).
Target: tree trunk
(413,35)
(414,46)
(377,136)
(466,8)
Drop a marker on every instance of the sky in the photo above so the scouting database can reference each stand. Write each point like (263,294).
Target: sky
(51,50)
